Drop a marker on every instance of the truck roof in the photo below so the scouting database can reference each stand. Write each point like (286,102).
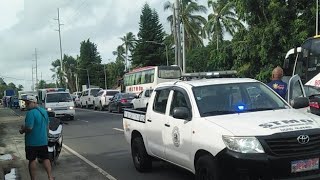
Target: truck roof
(205,82)
(58,92)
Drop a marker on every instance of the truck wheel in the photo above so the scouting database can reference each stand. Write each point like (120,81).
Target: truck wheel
(94,106)
(101,107)
(119,109)
(206,168)
(141,160)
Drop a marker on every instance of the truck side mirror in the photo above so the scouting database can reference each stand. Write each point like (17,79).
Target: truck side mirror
(300,102)
(181,113)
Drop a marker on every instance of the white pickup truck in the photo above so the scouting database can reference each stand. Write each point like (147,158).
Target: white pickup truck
(226,128)
(141,101)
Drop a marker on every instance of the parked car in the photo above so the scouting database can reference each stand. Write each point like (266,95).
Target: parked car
(314,97)
(87,97)
(141,101)
(120,101)
(102,100)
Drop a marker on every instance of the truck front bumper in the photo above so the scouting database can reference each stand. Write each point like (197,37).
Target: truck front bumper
(65,113)
(233,165)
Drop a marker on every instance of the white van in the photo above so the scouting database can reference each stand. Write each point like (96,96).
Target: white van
(87,97)
(60,103)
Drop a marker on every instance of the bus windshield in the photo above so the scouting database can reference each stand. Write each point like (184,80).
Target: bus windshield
(169,72)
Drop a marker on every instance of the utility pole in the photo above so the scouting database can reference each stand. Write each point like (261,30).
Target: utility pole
(36,60)
(105,76)
(183,50)
(178,45)
(175,36)
(317,17)
(32,86)
(59,30)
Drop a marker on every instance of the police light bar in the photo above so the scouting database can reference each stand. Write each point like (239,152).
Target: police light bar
(213,74)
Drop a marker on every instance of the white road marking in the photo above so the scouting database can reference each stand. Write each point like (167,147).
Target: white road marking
(83,120)
(117,129)
(107,175)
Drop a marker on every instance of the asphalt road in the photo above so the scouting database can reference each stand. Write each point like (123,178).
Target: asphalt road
(96,136)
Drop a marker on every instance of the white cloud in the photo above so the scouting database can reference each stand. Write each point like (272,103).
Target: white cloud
(27,25)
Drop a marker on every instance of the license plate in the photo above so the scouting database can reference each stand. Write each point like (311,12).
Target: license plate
(304,165)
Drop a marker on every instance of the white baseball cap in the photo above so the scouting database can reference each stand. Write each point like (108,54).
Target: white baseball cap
(29,98)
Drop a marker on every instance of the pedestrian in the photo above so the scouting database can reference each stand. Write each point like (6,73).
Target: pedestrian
(276,83)
(36,136)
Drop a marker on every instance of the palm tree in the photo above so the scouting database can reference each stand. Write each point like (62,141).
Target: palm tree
(128,43)
(223,19)
(119,53)
(192,22)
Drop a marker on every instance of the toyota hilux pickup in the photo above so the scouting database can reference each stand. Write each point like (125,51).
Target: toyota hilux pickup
(226,128)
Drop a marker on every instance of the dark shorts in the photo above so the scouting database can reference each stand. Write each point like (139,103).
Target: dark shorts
(33,152)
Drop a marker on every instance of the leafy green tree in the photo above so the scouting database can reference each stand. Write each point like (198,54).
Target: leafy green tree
(20,87)
(150,29)
(274,27)
(89,61)
(192,21)
(41,84)
(115,71)
(69,65)
(119,53)
(128,43)
(222,19)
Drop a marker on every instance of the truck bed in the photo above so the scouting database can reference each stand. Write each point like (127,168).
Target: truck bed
(135,115)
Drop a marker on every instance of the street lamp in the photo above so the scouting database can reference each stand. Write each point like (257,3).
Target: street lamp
(163,44)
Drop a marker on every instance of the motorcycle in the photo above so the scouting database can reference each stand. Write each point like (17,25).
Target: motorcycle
(55,137)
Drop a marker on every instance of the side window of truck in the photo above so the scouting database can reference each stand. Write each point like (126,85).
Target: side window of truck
(178,100)
(160,101)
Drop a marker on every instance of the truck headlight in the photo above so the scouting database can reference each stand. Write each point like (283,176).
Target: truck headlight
(71,107)
(49,109)
(243,144)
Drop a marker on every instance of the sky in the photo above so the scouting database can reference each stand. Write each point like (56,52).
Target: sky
(27,25)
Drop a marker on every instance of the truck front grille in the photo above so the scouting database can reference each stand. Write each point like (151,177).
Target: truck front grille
(60,108)
(291,146)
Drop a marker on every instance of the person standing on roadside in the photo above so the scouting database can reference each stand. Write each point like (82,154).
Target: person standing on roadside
(276,83)
(36,136)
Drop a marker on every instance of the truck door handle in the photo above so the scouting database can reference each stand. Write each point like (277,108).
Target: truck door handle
(167,125)
(149,120)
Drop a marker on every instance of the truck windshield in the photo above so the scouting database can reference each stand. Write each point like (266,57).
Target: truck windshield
(94,92)
(58,97)
(236,98)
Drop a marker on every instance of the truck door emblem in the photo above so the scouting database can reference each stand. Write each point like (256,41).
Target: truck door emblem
(176,136)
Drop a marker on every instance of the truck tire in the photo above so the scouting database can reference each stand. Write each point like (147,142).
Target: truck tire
(101,107)
(141,160)
(94,106)
(206,168)
(119,109)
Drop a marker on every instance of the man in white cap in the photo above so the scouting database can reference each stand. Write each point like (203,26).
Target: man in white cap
(36,136)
